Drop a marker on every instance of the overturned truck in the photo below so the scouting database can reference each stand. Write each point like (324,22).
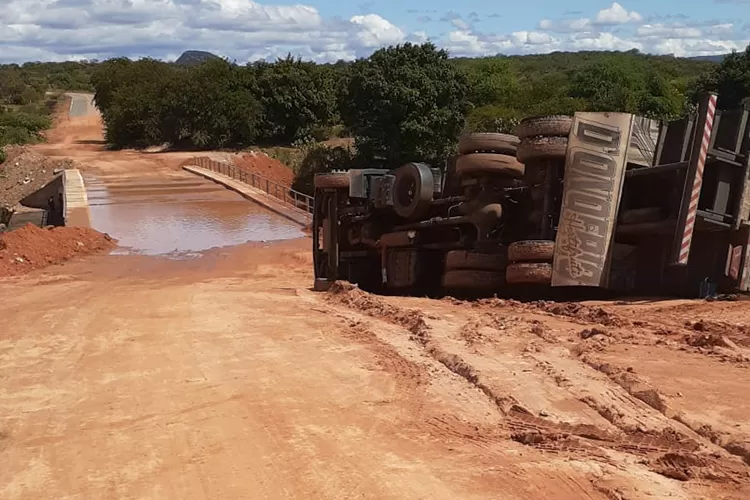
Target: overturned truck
(598,200)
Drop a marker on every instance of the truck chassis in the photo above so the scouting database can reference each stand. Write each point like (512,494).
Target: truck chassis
(607,201)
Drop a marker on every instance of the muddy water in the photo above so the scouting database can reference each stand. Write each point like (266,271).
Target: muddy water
(179,216)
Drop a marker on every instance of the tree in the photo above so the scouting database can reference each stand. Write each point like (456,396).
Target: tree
(135,100)
(212,106)
(296,97)
(492,81)
(658,99)
(107,77)
(405,103)
(12,86)
(610,86)
(730,79)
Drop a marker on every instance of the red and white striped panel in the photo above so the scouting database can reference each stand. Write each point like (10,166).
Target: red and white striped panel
(687,235)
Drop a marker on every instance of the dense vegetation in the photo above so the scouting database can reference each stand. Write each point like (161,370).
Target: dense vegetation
(402,103)
(28,94)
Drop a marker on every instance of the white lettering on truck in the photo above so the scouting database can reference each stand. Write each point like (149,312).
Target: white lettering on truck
(593,177)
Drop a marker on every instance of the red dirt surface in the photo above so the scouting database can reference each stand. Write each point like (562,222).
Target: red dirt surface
(227,376)
(270,168)
(31,247)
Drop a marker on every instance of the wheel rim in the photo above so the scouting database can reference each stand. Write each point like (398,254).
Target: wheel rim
(407,190)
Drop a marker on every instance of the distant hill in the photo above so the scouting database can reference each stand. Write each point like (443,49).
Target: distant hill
(714,59)
(193,57)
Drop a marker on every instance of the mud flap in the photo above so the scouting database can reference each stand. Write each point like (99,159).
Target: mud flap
(594,174)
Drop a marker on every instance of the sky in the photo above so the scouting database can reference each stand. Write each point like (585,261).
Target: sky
(329,30)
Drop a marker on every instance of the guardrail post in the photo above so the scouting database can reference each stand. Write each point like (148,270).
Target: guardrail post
(702,134)
(287,195)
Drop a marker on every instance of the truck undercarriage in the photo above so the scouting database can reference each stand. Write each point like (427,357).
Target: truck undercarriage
(595,201)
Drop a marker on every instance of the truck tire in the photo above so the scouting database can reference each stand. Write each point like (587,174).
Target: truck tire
(488,143)
(544,126)
(531,251)
(488,163)
(334,180)
(530,273)
(413,189)
(469,279)
(466,259)
(542,148)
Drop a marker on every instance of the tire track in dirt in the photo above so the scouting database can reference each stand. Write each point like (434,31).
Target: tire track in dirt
(721,340)
(703,337)
(642,390)
(413,371)
(670,451)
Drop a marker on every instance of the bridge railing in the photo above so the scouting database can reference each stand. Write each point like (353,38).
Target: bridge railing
(285,194)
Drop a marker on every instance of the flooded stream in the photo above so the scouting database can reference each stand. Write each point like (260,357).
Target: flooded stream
(179,216)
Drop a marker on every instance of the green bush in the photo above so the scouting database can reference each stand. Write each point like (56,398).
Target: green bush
(33,123)
(16,135)
(22,127)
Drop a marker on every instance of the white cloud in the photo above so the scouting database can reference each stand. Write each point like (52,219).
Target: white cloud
(531,38)
(377,31)
(419,37)
(617,14)
(566,25)
(667,31)
(245,30)
(682,47)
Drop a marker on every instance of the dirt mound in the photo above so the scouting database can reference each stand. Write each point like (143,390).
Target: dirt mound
(352,296)
(580,311)
(721,330)
(710,340)
(25,171)
(31,247)
(687,466)
(264,165)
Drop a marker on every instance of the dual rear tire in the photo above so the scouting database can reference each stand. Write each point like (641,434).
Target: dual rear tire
(484,154)
(471,270)
(530,262)
(524,263)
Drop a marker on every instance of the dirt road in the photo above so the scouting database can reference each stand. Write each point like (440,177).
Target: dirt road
(225,377)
